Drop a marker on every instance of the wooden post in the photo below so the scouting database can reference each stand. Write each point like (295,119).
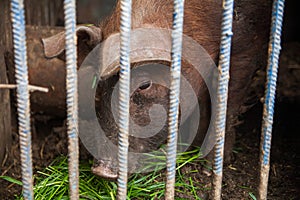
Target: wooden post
(5,112)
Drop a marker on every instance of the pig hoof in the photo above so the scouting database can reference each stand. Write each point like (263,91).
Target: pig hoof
(104,170)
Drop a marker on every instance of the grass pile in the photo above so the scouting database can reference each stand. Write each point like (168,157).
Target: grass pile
(53,183)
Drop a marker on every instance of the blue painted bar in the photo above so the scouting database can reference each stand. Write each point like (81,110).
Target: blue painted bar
(21,70)
(72,96)
(268,111)
(174,97)
(124,98)
(222,96)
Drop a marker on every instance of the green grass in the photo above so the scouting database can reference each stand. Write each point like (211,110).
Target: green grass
(252,196)
(53,183)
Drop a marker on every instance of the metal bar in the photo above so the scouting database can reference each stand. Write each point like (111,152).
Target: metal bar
(268,111)
(72,96)
(20,53)
(220,124)
(30,87)
(124,97)
(174,97)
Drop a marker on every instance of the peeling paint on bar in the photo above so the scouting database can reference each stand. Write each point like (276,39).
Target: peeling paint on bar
(123,120)
(174,97)
(72,97)
(268,111)
(222,96)
(21,70)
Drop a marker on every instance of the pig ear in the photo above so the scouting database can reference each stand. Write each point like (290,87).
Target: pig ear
(87,36)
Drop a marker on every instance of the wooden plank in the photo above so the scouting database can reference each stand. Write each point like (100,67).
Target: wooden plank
(5,112)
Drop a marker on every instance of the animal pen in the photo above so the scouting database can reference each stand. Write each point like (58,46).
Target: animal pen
(23,88)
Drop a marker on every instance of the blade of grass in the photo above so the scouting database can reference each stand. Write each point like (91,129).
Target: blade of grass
(12,180)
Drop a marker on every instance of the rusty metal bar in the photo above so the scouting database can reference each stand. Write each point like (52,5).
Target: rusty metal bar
(30,87)
(272,71)
(174,97)
(220,124)
(21,71)
(72,96)
(124,98)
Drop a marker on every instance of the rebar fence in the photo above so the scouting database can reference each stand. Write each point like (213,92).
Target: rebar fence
(23,94)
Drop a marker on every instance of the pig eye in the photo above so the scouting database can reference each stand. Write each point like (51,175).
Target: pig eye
(145,85)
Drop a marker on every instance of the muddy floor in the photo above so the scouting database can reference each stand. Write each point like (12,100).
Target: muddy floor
(240,176)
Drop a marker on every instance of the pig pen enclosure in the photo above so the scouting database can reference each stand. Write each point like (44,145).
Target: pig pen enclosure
(196,178)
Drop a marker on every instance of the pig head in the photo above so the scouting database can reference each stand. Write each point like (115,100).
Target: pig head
(202,23)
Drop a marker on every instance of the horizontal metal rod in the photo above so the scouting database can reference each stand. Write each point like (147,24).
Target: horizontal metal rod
(31,88)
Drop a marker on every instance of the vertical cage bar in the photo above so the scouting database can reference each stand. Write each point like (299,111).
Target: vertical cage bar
(124,98)
(268,111)
(20,53)
(174,97)
(72,96)
(220,124)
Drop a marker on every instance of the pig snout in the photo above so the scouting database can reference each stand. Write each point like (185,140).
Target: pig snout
(105,169)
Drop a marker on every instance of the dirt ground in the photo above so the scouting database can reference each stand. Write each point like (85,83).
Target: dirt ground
(240,176)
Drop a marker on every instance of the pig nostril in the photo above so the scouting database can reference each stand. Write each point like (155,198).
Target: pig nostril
(145,85)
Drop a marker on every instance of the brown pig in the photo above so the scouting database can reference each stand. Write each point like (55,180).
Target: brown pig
(202,23)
